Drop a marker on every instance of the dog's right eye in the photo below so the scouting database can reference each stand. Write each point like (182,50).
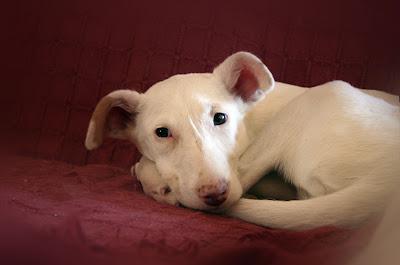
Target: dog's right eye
(220,118)
(163,132)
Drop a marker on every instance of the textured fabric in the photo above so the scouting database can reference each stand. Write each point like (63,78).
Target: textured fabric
(60,57)
(99,212)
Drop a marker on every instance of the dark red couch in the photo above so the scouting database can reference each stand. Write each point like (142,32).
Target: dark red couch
(61,204)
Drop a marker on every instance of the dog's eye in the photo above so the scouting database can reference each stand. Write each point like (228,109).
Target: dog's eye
(220,118)
(163,132)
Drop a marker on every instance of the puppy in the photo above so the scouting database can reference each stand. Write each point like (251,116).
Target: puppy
(212,136)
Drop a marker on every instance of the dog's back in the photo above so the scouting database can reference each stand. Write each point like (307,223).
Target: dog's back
(353,135)
(338,144)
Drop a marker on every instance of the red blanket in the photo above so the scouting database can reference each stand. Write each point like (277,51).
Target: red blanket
(56,213)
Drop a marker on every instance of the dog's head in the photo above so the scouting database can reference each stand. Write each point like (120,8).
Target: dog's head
(189,126)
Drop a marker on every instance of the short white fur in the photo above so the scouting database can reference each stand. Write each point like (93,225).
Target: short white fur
(340,146)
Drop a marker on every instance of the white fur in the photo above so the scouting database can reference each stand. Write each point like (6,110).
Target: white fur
(338,145)
(90,143)
(152,184)
(198,153)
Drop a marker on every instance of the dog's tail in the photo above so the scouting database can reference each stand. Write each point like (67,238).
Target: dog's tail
(345,208)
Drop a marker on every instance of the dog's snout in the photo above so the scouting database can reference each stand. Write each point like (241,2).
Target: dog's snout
(214,194)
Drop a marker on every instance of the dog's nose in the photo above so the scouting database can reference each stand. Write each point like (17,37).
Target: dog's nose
(214,195)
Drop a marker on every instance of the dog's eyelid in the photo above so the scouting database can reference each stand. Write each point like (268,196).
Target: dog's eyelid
(215,108)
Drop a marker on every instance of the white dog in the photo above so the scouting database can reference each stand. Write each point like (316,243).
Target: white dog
(338,145)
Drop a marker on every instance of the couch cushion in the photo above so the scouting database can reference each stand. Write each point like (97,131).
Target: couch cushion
(101,210)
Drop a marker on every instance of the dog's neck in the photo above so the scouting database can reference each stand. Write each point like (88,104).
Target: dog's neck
(263,111)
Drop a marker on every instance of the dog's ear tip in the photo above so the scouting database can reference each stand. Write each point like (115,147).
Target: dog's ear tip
(245,55)
(244,74)
(90,142)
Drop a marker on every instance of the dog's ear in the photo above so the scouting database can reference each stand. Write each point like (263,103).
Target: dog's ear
(112,117)
(245,75)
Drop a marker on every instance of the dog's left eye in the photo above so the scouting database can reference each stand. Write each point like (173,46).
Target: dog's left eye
(220,118)
(163,132)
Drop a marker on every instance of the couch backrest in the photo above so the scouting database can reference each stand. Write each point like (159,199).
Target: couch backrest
(60,57)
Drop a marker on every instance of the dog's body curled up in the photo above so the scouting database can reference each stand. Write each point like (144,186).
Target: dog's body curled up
(210,137)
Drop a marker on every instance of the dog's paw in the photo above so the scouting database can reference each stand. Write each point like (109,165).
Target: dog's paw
(152,183)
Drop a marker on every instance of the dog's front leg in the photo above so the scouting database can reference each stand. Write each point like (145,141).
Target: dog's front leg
(258,159)
(252,171)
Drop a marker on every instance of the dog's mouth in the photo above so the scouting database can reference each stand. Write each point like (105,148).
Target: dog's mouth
(201,206)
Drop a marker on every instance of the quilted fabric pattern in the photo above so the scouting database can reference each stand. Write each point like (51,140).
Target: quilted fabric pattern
(60,57)
(66,214)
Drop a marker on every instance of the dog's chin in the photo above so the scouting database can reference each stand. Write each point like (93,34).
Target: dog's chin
(219,209)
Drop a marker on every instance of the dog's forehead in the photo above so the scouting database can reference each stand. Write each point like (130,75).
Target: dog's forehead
(186,87)
(183,99)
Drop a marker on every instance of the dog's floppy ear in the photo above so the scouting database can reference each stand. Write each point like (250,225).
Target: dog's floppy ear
(245,75)
(111,117)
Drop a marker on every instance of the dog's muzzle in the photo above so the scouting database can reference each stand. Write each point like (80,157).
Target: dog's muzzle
(214,194)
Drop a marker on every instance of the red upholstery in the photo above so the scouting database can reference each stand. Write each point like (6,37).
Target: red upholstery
(100,210)
(59,57)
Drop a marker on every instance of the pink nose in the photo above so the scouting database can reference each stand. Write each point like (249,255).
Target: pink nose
(215,194)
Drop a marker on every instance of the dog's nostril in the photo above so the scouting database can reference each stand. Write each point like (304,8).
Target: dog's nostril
(213,195)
